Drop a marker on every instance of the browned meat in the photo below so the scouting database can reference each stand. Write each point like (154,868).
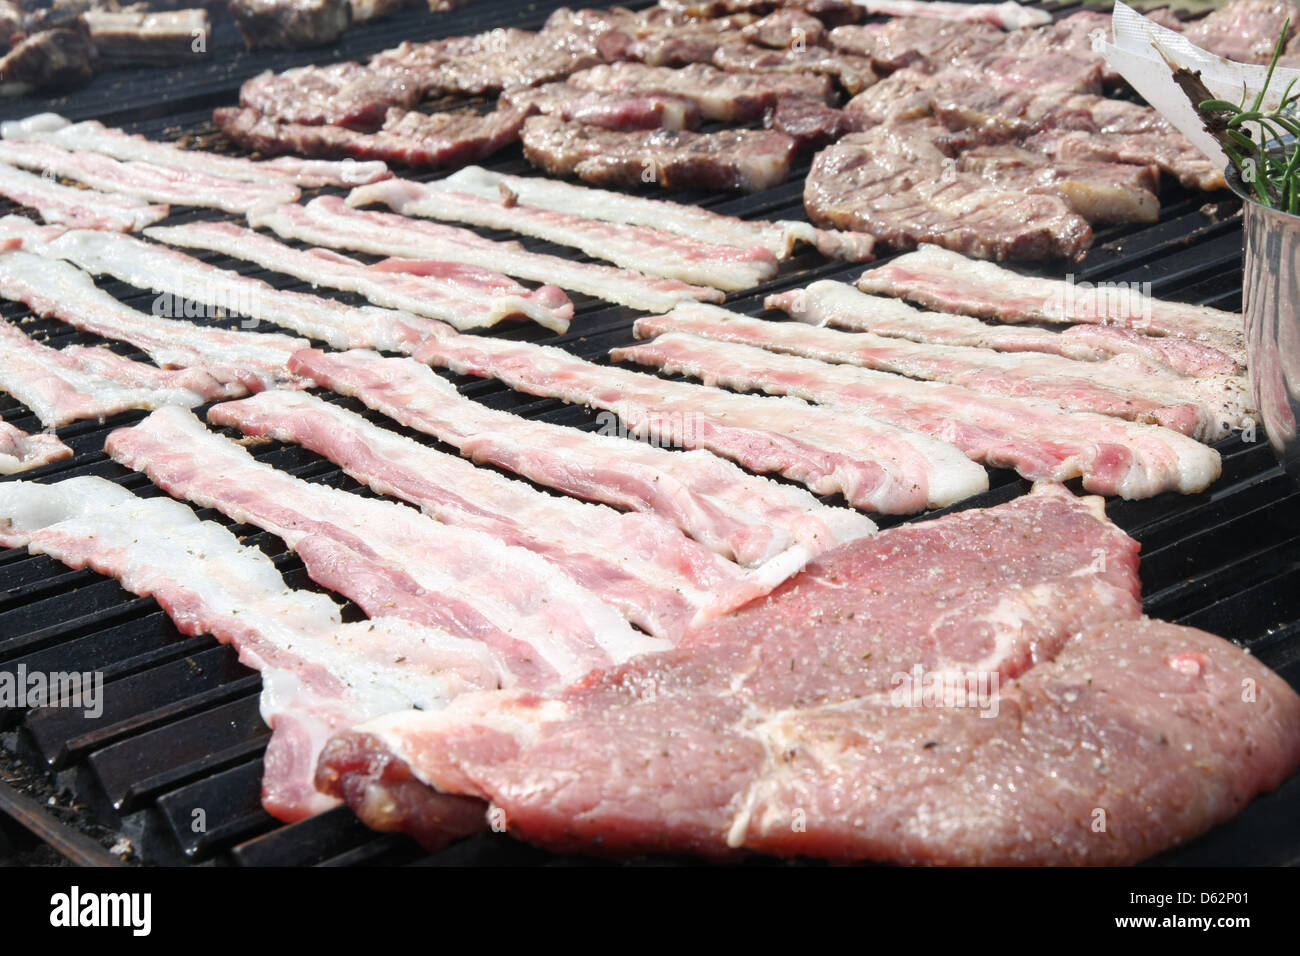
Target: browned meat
(344,94)
(853,73)
(62,58)
(410,137)
(139,37)
(897,184)
(618,111)
(1100,192)
(785,29)
(722,96)
(1245,30)
(914,41)
(812,124)
(290,24)
(741,160)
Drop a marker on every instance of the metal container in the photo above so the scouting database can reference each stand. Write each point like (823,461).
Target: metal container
(1271,301)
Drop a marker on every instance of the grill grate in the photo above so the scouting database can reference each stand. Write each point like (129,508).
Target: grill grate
(181,730)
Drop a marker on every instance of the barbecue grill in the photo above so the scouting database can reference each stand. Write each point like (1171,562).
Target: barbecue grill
(181,732)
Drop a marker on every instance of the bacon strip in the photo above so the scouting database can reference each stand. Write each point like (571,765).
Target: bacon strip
(147,265)
(839,304)
(20,451)
(1007,15)
(947,281)
(877,467)
(87,208)
(95,136)
(319,675)
(394,562)
(1037,439)
(147,181)
(65,385)
(642,248)
(780,238)
(329,221)
(1207,409)
(59,290)
(659,579)
(744,517)
(464,296)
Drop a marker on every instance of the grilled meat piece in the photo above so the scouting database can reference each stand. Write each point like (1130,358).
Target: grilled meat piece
(742,160)
(290,24)
(896,183)
(140,37)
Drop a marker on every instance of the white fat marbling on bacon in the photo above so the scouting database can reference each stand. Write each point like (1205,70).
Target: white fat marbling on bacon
(147,181)
(950,282)
(390,559)
(659,579)
(319,675)
(20,451)
(839,304)
(96,137)
(876,466)
(66,385)
(1125,387)
(780,238)
(1008,15)
(328,221)
(462,295)
(1038,439)
(645,249)
(84,208)
(57,289)
(745,517)
(148,265)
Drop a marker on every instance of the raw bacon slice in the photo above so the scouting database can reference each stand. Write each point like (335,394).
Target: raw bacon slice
(1125,387)
(944,280)
(744,517)
(461,295)
(836,303)
(539,626)
(1037,439)
(771,735)
(1008,15)
(780,238)
(59,290)
(85,208)
(659,579)
(62,386)
(96,137)
(147,181)
(642,248)
(20,451)
(147,265)
(410,137)
(739,160)
(876,467)
(328,221)
(319,675)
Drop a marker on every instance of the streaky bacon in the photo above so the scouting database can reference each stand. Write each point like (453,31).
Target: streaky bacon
(1038,439)
(877,467)
(461,295)
(745,517)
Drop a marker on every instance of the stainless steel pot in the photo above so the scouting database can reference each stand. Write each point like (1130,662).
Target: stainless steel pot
(1271,301)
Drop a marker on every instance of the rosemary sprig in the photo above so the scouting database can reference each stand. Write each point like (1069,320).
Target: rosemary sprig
(1263,144)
